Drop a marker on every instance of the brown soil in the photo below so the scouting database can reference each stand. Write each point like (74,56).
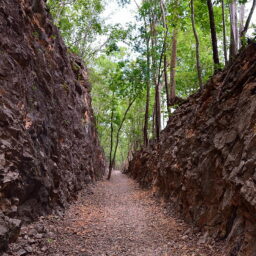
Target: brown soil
(116,218)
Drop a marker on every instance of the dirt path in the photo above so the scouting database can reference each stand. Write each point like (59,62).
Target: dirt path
(116,219)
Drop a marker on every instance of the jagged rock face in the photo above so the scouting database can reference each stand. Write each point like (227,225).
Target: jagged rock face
(48,141)
(205,162)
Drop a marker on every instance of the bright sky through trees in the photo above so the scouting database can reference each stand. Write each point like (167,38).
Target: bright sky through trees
(115,14)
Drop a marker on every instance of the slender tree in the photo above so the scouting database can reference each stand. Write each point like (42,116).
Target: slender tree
(145,128)
(216,59)
(224,32)
(241,18)
(113,159)
(198,63)
(173,67)
(166,85)
(155,75)
(248,21)
(111,140)
(157,111)
(233,29)
(165,56)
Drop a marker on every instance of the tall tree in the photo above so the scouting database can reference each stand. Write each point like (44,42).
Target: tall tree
(175,24)
(156,69)
(224,32)
(157,110)
(165,56)
(148,81)
(233,29)
(166,85)
(145,128)
(173,67)
(216,59)
(198,63)
(110,167)
(241,17)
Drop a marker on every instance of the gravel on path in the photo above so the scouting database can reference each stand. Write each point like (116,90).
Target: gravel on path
(116,218)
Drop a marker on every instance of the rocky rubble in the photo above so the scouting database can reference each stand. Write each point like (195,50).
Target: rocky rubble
(48,142)
(205,162)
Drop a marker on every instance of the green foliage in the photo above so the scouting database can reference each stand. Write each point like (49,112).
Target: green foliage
(79,22)
(122,82)
(119,74)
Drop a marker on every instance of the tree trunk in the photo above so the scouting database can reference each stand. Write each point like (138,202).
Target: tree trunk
(145,130)
(234,30)
(216,59)
(198,63)
(112,164)
(166,86)
(165,57)
(241,23)
(154,121)
(158,111)
(224,32)
(248,21)
(173,66)
(111,145)
(241,18)
(155,79)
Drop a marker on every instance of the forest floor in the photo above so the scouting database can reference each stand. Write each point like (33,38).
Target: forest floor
(114,218)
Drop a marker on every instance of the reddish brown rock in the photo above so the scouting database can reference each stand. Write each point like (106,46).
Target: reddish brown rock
(48,142)
(205,162)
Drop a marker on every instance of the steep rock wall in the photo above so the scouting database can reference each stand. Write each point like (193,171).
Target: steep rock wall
(205,162)
(48,141)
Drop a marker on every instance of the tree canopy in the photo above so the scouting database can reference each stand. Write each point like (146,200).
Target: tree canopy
(142,72)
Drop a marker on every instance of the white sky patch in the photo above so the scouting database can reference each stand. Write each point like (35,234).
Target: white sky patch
(115,14)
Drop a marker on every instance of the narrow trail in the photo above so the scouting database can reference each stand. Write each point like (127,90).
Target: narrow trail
(116,218)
